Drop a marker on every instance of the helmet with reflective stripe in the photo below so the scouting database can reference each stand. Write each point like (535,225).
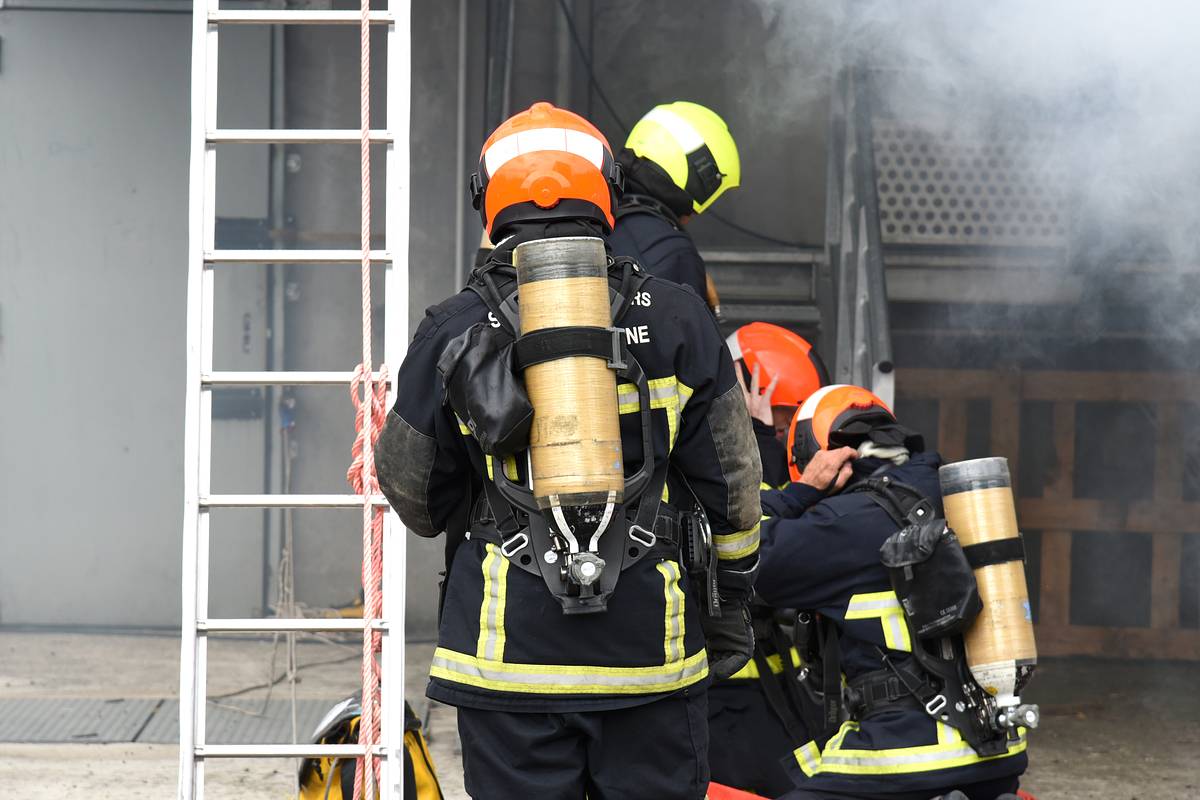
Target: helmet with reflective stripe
(779,354)
(545,163)
(823,420)
(693,146)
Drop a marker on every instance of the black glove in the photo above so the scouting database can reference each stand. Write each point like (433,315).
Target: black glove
(730,638)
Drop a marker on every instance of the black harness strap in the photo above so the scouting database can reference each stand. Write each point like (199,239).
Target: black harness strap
(548,344)
(776,697)
(831,676)
(782,690)
(903,503)
(998,551)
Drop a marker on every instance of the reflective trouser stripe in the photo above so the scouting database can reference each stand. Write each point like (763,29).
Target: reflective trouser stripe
(567,679)
(491,611)
(886,607)
(732,546)
(673,648)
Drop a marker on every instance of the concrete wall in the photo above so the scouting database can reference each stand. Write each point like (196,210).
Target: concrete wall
(93,203)
(93,227)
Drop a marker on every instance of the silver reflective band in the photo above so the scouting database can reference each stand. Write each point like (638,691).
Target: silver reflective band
(874,605)
(558,679)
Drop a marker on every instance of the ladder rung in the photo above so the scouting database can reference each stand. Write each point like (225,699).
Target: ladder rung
(288,501)
(278,378)
(284,751)
(264,17)
(294,136)
(293,256)
(306,624)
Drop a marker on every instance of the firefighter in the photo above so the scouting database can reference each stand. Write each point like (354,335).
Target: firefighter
(567,705)
(791,370)
(757,715)
(823,553)
(677,161)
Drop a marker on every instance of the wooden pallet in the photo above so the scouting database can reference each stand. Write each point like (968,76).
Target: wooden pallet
(1059,515)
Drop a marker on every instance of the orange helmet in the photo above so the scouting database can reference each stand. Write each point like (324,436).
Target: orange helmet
(779,353)
(822,421)
(545,163)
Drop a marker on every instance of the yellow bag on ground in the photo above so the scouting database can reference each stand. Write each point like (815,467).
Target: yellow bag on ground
(333,778)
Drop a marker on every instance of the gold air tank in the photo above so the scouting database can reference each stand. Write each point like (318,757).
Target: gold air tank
(575,442)
(1001,652)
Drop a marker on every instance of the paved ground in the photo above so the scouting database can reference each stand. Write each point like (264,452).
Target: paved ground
(1112,731)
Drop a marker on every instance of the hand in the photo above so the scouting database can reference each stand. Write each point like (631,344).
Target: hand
(757,403)
(829,470)
(729,639)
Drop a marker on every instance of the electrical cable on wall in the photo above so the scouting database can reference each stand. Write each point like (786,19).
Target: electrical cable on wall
(595,83)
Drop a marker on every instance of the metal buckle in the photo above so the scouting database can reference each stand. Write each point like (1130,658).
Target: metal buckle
(935,706)
(514,544)
(646,542)
(617,361)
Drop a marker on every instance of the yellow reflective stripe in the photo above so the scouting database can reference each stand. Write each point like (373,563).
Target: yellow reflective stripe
(567,679)
(886,607)
(922,758)
(808,757)
(732,546)
(947,734)
(774,662)
(665,393)
(462,428)
(492,635)
(673,627)
(510,467)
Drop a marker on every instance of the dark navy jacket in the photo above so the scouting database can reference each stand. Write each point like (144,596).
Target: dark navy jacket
(823,554)
(658,245)
(503,641)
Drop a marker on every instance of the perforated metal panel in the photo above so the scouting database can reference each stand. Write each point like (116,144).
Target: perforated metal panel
(941,187)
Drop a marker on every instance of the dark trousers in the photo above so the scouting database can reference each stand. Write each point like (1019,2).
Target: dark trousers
(986,790)
(748,741)
(656,751)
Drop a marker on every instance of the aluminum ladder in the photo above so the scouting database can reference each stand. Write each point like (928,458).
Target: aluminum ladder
(203,258)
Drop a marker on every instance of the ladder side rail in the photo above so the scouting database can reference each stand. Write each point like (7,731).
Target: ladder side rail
(826,282)
(878,371)
(197,403)
(395,340)
(845,273)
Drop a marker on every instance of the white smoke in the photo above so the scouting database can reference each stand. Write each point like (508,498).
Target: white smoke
(1111,86)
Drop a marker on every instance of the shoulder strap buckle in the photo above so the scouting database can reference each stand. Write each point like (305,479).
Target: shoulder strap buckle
(514,544)
(642,536)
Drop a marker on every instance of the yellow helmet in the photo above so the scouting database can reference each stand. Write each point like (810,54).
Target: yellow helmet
(693,146)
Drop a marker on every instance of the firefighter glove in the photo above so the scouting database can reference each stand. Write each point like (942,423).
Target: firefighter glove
(730,638)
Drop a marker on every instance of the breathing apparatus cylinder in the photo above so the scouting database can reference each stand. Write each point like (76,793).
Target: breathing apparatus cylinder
(1000,648)
(575,441)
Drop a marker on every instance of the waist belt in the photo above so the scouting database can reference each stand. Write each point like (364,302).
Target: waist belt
(667,534)
(887,689)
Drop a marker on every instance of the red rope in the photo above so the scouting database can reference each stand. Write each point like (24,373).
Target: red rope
(369,397)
